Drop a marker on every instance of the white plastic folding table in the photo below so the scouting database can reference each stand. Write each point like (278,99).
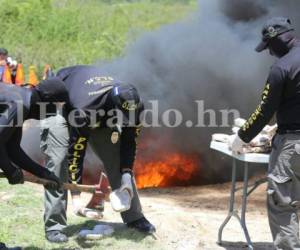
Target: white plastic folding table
(246,158)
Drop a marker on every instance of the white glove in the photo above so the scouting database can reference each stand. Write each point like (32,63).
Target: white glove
(236,144)
(120,199)
(239,122)
(260,140)
(80,210)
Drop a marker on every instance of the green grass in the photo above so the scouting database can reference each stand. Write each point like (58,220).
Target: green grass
(21,223)
(68,32)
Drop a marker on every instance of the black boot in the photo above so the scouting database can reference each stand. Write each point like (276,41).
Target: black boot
(3,247)
(142,225)
(56,237)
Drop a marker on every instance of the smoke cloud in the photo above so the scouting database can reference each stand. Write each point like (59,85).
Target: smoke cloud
(208,56)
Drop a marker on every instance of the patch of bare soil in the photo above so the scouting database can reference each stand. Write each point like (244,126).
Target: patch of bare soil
(189,217)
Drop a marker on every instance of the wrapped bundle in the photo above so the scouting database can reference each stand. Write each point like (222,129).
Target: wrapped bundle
(260,144)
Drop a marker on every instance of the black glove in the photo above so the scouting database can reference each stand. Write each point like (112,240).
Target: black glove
(55,181)
(16,177)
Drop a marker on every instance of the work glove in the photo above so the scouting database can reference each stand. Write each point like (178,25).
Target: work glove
(260,140)
(121,198)
(236,144)
(80,210)
(16,177)
(54,183)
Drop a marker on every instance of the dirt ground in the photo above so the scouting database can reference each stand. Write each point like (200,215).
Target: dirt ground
(189,218)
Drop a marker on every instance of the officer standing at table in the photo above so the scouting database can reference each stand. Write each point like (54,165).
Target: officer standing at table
(281,95)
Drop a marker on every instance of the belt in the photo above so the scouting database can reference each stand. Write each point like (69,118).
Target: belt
(288,131)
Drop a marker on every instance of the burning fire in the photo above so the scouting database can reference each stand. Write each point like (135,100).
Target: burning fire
(173,169)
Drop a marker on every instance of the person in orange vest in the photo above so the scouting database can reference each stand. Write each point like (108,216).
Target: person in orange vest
(12,64)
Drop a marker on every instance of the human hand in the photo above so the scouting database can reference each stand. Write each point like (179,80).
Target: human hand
(236,144)
(17,177)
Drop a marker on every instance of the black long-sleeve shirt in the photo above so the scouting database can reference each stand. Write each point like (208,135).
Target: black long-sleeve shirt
(281,95)
(89,90)
(15,107)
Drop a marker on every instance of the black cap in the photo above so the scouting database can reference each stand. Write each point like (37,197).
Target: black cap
(3,51)
(273,28)
(52,90)
(127,100)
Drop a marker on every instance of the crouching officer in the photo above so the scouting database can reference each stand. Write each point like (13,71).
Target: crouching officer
(17,105)
(281,95)
(104,113)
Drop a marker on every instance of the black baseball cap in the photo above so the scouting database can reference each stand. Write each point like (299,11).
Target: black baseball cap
(126,99)
(52,90)
(273,28)
(3,51)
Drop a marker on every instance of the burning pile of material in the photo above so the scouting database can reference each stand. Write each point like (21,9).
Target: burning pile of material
(167,167)
(172,169)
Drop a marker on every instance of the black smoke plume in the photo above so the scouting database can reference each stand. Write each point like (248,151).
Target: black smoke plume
(209,56)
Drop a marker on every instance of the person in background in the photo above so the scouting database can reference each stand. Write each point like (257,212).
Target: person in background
(7,60)
(3,56)
(3,61)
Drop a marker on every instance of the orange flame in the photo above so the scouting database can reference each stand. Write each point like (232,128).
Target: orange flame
(174,169)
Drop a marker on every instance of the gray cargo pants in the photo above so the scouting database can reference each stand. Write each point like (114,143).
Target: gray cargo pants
(54,143)
(283,195)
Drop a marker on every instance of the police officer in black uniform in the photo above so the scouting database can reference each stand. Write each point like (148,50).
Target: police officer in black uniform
(96,99)
(17,105)
(281,95)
